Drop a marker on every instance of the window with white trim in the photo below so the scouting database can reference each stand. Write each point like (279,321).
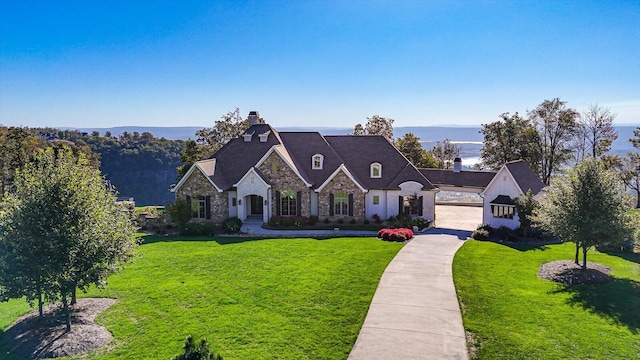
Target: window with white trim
(376,170)
(317,161)
(503,211)
(198,207)
(288,203)
(341,203)
(376,199)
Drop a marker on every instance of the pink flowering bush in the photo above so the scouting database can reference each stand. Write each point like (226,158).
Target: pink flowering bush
(399,235)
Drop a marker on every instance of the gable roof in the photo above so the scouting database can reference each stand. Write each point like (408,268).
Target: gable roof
(302,146)
(463,178)
(359,152)
(206,167)
(524,176)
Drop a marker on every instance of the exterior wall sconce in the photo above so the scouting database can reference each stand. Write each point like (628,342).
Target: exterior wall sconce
(239,201)
(266,202)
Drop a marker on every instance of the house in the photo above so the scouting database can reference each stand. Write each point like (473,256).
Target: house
(266,173)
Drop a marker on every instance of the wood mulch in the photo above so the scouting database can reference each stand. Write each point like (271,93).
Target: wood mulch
(33,338)
(569,273)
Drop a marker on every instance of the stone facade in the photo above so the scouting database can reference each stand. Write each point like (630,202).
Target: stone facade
(282,177)
(198,185)
(341,183)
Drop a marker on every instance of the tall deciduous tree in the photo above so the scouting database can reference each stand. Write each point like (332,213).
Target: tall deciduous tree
(60,230)
(508,139)
(556,125)
(629,167)
(376,125)
(230,126)
(587,206)
(409,145)
(596,125)
(445,153)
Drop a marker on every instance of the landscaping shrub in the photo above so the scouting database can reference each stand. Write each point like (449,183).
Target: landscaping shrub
(406,221)
(288,221)
(198,229)
(480,234)
(376,219)
(313,219)
(507,234)
(326,220)
(366,222)
(340,221)
(200,352)
(353,221)
(399,234)
(231,225)
(180,213)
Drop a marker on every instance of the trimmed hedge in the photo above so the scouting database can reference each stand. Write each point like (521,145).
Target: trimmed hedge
(399,234)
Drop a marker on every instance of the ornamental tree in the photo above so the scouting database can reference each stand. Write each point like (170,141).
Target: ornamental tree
(61,230)
(587,205)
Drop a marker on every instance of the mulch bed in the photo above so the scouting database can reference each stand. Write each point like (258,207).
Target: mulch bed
(33,338)
(569,273)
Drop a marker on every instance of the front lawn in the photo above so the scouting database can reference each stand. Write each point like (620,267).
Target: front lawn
(512,314)
(251,298)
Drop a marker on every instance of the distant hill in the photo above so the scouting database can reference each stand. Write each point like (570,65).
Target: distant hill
(169,133)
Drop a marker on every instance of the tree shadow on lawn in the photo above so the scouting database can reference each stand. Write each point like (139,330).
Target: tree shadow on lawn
(632,257)
(521,246)
(223,240)
(618,300)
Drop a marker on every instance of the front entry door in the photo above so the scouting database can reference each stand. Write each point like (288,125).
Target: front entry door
(256,207)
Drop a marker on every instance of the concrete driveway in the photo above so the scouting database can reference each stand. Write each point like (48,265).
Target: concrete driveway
(454,217)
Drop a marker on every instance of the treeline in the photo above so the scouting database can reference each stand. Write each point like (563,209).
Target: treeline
(138,165)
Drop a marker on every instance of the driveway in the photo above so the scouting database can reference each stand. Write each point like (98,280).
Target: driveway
(458,217)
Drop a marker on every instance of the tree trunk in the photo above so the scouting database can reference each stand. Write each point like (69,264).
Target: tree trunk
(66,312)
(73,295)
(577,258)
(39,290)
(584,258)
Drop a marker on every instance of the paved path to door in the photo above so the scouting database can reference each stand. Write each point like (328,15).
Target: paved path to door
(414,313)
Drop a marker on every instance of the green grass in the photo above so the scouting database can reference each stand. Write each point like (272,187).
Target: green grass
(512,314)
(251,298)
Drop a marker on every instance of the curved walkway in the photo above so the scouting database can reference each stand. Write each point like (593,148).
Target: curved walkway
(414,313)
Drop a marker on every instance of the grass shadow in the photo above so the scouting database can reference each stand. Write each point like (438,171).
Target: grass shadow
(460,234)
(524,246)
(229,240)
(618,300)
(631,257)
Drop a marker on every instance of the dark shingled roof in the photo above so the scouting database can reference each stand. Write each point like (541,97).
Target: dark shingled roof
(302,146)
(458,179)
(359,152)
(236,157)
(525,177)
(503,200)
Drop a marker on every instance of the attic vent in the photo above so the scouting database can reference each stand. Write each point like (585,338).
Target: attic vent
(263,137)
(247,136)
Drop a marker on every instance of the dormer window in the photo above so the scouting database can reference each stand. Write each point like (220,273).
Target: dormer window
(317,161)
(376,170)
(247,137)
(265,136)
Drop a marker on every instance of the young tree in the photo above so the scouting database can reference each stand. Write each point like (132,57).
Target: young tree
(61,230)
(629,167)
(376,125)
(409,145)
(556,125)
(200,352)
(445,153)
(525,207)
(587,206)
(508,139)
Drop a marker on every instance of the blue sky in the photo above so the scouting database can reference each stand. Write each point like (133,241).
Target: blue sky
(312,63)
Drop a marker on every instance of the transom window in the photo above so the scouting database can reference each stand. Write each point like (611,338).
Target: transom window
(317,161)
(376,170)
(198,207)
(341,203)
(503,211)
(288,203)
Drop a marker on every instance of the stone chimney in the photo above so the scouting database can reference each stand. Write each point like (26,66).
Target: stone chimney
(457,165)
(254,118)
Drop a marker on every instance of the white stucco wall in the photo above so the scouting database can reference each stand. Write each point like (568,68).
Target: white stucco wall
(371,208)
(251,184)
(233,210)
(502,184)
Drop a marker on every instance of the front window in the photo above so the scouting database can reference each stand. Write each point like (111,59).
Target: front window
(198,207)
(376,200)
(503,211)
(341,203)
(288,203)
(410,205)
(376,170)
